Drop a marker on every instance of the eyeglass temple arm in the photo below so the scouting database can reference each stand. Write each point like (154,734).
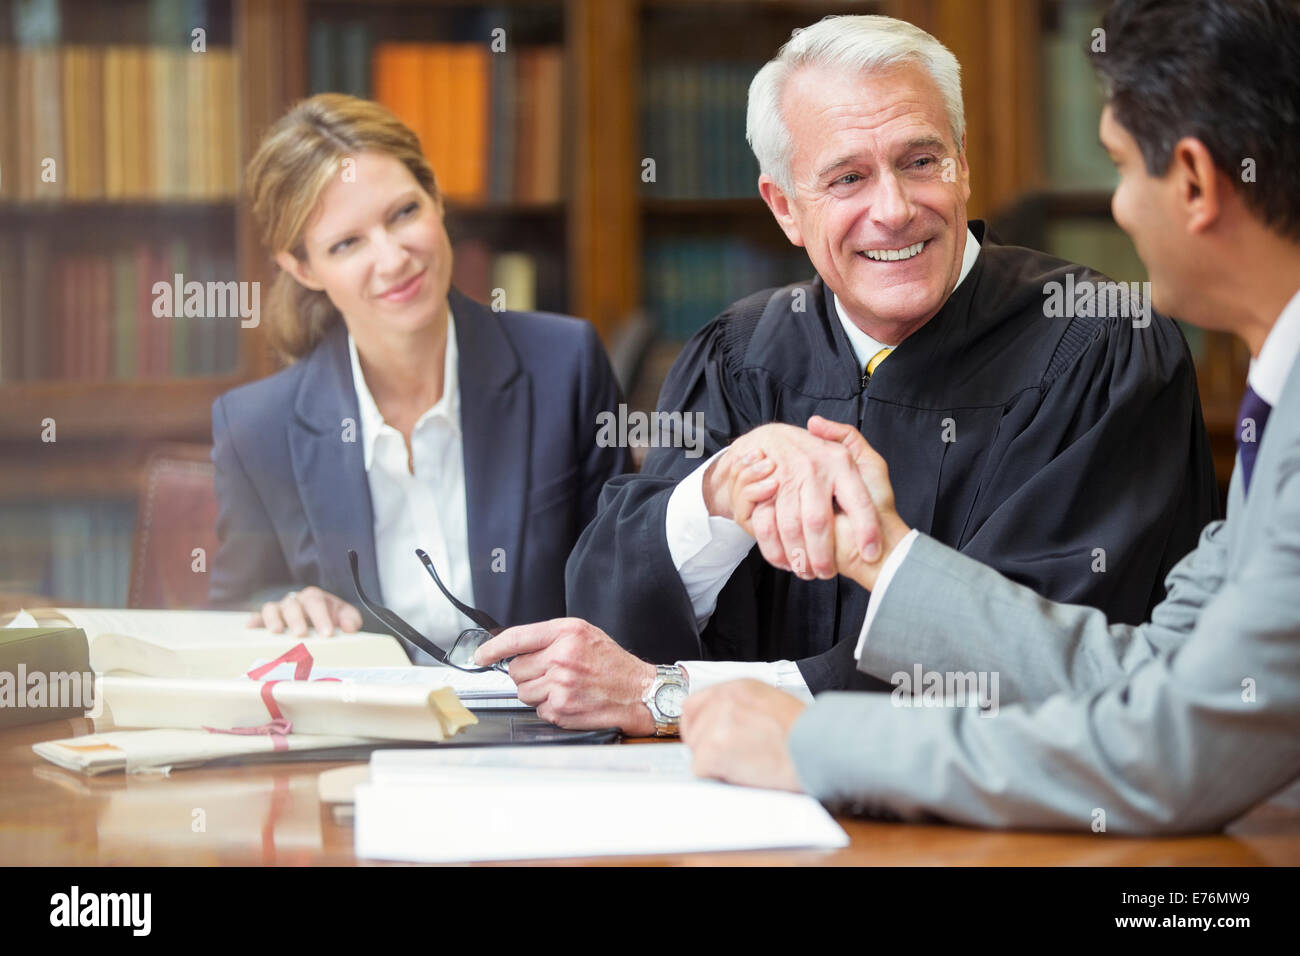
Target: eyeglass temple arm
(481,618)
(391,619)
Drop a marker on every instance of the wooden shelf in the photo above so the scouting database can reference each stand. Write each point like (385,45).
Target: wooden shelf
(84,206)
(503,210)
(71,470)
(95,411)
(728,207)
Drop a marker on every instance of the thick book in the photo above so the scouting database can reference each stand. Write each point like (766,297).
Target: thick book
(206,643)
(44,675)
(318,707)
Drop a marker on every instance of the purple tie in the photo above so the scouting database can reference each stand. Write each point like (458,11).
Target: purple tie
(1251,419)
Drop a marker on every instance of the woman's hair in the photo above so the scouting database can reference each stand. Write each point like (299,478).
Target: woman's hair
(294,163)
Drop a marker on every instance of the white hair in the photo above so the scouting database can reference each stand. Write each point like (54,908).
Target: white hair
(853,44)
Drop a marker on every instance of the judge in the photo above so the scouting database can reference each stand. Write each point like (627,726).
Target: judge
(1065,450)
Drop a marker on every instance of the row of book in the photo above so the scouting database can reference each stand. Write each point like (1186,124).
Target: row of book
(118,123)
(1072,101)
(689,281)
(490,123)
(76,551)
(693,127)
(507,280)
(98,317)
(40,22)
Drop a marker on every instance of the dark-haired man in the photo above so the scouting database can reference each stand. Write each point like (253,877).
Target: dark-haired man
(1186,721)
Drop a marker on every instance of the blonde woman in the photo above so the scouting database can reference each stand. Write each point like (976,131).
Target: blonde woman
(409,416)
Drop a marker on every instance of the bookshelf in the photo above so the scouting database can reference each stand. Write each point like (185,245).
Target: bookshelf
(1065,208)
(589,237)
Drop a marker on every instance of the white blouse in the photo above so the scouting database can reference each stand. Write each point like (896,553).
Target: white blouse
(423,508)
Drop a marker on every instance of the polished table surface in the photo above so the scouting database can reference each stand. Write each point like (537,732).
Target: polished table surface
(272,814)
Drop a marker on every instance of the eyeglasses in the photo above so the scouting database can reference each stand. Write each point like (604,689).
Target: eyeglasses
(461,653)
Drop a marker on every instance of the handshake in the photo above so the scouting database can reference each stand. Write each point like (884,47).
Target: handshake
(818,502)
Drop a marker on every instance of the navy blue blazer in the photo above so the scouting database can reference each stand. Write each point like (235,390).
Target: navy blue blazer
(293,495)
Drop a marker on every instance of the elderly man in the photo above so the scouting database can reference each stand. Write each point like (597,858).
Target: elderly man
(1011,425)
(1180,724)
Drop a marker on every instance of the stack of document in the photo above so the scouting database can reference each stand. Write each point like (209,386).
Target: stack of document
(169,678)
(517,803)
(381,711)
(219,644)
(489,690)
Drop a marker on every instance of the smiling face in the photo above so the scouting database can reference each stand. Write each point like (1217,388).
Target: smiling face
(376,245)
(880,190)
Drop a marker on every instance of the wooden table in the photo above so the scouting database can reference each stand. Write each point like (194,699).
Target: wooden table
(271,814)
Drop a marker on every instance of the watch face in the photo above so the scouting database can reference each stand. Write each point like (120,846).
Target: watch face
(669,700)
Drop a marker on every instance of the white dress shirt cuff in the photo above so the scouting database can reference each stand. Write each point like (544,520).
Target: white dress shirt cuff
(783,675)
(705,549)
(886,575)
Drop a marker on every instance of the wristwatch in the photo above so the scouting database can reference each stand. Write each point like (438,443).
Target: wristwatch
(664,697)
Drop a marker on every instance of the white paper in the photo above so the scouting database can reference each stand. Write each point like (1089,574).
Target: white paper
(22,619)
(657,760)
(489,684)
(516,820)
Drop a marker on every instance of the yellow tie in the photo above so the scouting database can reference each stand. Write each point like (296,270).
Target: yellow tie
(874,362)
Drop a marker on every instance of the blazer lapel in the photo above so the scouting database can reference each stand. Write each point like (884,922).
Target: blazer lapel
(495,414)
(329,467)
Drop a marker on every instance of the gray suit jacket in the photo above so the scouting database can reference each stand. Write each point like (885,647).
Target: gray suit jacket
(1180,724)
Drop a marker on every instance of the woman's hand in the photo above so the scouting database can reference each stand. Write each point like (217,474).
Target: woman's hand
(310,607)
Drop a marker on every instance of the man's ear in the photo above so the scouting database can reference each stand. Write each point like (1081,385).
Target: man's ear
(779,203)
(1197,184)
(298,269)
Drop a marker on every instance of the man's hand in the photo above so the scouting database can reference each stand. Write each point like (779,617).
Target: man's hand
(310,607)
(738,732)
(875,475)
(575,675)
(812,477)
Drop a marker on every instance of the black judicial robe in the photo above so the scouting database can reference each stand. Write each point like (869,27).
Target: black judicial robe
(1071,434)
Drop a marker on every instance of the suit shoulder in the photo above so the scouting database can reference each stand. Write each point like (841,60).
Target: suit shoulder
(268,396)
(546,329)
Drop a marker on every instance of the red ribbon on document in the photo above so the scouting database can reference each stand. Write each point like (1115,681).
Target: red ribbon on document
(278,727)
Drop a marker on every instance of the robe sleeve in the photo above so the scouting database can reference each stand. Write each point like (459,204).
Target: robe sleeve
(599,392)
(620,575)
(1096,496)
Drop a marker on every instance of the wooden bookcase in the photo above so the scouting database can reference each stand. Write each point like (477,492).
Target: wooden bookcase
(599,232)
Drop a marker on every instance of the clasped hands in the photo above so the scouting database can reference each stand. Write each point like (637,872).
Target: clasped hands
(818,502)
